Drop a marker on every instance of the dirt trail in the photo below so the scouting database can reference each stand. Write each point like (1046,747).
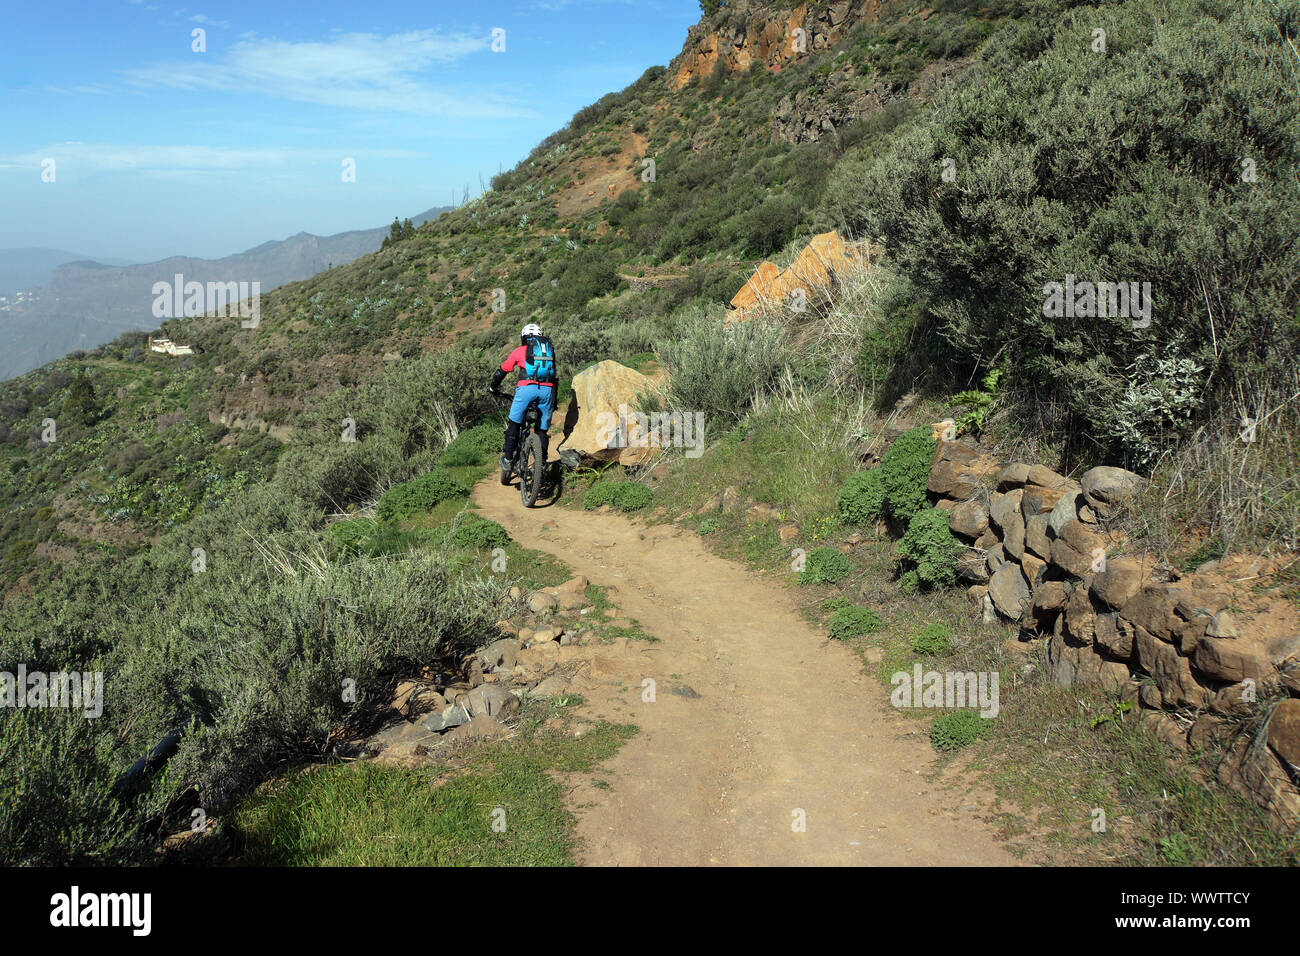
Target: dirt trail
(785,718)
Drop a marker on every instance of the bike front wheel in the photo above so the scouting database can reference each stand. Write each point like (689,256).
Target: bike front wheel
(530,477)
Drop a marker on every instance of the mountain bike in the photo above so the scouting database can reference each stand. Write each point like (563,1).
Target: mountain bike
(527,464)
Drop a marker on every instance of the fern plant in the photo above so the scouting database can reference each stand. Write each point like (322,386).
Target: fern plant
(980,402)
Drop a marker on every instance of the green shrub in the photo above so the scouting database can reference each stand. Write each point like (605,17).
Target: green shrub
(836,603)
(623,495)
(474,446)
(854,621)
(905,471)
(350,535)
(958,729)
(862,498)
(419,496)
(478,533)
(1205,210)
(601,493)
(708,526)
(633,496)
(932,640)
(824,566)
(58,810)
(930,549)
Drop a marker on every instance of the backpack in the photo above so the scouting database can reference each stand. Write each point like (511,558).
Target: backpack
(539,360)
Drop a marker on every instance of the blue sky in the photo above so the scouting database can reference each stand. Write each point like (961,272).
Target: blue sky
(160,150)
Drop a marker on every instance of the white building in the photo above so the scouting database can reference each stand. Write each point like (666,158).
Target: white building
(168,347)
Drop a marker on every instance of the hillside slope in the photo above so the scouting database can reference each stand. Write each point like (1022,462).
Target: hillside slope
(180,523)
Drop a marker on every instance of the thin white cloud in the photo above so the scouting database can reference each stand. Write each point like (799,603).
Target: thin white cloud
(208,21)
(111,157)
(360,71)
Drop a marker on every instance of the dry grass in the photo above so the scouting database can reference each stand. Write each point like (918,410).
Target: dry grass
(1230,486)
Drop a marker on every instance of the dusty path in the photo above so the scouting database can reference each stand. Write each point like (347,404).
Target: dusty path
(785,719)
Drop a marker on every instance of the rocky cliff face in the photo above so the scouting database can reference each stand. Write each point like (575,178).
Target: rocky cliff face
(772,35)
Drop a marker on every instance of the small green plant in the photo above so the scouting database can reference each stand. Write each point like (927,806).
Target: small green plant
(478,533)
(862,498)
(419,495)
(958,729)
(473,446)
(708,526)
(905,471)
(836,603)
(933,640)
(980,401)
(350,535)
(623,495)
(930,549)
(823,566)
(1117,711)
(633,497)
(1178,848)
(854,621)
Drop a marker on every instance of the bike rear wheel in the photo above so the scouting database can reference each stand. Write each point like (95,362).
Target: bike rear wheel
(530,472)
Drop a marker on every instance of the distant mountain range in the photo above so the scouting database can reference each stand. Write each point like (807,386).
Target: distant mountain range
(28,269)
(75,302)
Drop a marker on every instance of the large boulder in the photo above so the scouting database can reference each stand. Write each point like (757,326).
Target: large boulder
(1004,506)
(1178,685)
(1255,772)
(1107,488)
(958,471)
(1231,660)
(1070,666)
(492,700)
(601,423)
(1009,591)
(970,519)
(1121,580)
(1284,732)
(1078,550)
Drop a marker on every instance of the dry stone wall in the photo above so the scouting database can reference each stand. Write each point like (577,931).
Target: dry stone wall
(1197,651)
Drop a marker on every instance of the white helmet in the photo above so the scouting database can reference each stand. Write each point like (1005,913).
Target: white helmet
(532,328)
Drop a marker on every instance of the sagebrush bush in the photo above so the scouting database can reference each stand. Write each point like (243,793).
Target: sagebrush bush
(862,498)
(419,496)
(958,729)
(720,369)
(824,566)
(272,663)
(853,621)
(933,640)
(929,549)
(905,472)
(58,809)
(1205,209)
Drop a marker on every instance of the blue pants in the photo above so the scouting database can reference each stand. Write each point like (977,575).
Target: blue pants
(524,394)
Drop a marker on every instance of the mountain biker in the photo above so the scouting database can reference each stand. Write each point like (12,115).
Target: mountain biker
(535,359)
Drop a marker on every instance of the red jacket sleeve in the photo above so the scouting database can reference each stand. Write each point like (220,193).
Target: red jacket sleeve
(516,359)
